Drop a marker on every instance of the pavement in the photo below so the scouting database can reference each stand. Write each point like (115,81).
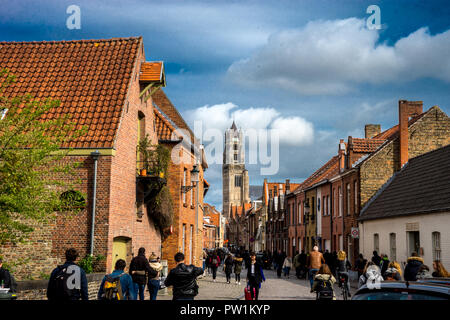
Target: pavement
(272,289)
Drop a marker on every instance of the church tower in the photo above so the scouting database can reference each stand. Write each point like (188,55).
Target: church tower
(234,175)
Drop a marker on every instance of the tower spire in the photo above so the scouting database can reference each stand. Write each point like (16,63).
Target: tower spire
(233,126)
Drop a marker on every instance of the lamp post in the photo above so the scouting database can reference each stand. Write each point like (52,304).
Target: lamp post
(195,180)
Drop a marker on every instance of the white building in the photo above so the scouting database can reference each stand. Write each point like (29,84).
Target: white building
(411,213)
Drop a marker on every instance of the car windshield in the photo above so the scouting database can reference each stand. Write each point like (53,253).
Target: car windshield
(397,296)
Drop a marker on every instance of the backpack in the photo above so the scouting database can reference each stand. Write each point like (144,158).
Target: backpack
(325,290)
(214,260)
(112,289)
(61,290)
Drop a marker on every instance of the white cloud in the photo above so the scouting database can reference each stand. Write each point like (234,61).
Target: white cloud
(292,130)
(332,57)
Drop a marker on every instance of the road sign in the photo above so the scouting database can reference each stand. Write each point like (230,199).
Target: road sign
(355,233)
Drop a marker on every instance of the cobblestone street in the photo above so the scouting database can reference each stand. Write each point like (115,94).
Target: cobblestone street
(272,289)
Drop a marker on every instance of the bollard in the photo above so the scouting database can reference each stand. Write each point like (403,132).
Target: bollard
(164,274)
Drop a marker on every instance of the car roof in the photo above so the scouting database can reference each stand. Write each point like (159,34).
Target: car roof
(411,285)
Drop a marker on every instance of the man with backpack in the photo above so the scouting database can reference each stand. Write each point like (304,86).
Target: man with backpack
(68,281)
(183,278)
(117,285)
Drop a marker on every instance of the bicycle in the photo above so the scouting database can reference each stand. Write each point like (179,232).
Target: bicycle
(343,285)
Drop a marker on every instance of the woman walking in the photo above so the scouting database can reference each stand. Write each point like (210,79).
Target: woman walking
(214,262)
(238,268)
(154,282)
(228,266)
(287,265)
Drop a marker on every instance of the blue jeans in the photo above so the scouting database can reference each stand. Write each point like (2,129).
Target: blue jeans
(312,273)
(139,288)
(153,287)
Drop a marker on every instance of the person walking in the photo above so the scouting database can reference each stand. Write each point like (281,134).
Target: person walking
(228,267)
(360,264)
(376,258)
(439,270)
(342,268)
(139,270)
(154,282)
(296,264)
(280,260)
(255,276)
(371,274)
(110,288)
(384,263)
(315,261)
(61,286)
(303,259)
(333,262)
(6,279)
(214,262)
(238,268)
(287,265)
(412,267)
(323,283)
(183,278)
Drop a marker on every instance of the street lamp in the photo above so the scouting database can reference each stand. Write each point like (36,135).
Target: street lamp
(195,180)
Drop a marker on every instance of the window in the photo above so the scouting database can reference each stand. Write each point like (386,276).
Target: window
(191,235)
(436,238)
(392,244)
(355,195)
(3,113)
(192,193)
(184,184)
(376,242)
(235,157)
(340,201)
(235,146)
(324,206)
(299,213)
(348,199)
(238,181)
(183,239)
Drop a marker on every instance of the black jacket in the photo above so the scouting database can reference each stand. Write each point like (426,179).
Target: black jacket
(183,279)
(140,263)
(377,260)
(257,277)
(412,267)
(8,280)
(343,265)
(229,265)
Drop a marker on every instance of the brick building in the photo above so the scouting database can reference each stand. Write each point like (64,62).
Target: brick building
(211,227)
(324,210)
(186,233)
(103,85)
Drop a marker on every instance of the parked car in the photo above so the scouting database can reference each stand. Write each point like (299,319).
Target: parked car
(442,281)
(402,290)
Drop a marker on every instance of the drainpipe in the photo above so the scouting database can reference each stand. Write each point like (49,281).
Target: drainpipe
(95,155)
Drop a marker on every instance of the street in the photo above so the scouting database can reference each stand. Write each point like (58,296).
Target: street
(272,289)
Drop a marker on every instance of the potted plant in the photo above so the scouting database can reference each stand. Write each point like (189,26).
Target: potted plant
(144,151)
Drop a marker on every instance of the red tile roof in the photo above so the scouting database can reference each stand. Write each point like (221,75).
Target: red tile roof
(328,170)
(152,72)
(362,145)
(163,127)
(89,77)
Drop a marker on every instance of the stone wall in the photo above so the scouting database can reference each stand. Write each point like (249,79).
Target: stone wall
(37,289)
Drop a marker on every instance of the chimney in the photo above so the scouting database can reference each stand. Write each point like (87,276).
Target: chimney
(406,109)
(341,153)
(371,130)
(288,186)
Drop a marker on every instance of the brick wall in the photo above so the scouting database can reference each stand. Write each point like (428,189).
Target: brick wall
(430,132)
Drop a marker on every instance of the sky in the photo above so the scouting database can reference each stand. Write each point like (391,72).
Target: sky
(312,71)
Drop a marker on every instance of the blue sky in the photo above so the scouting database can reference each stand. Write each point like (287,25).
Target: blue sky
(309,67)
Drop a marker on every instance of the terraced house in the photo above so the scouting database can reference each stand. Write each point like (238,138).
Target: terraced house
(106,86)
(325,209)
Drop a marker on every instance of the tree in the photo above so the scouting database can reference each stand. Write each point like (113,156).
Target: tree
(30,162)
